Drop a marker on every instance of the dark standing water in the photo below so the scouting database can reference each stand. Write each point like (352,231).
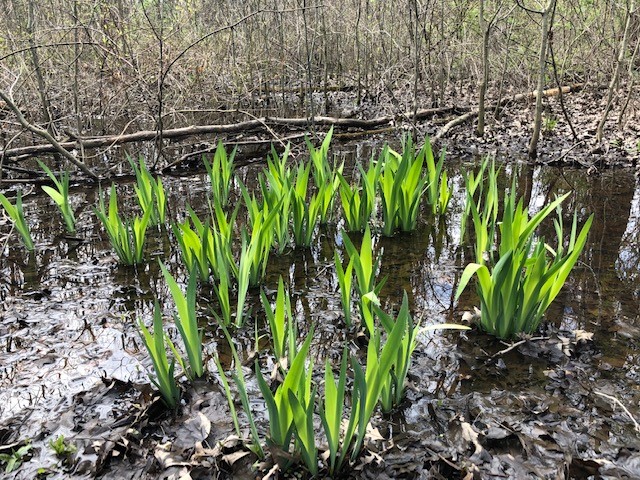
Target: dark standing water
(69,320)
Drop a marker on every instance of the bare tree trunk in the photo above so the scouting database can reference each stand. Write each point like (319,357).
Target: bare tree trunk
(46,105)
(482,87)
(631,86)
(542,70)
(613,84)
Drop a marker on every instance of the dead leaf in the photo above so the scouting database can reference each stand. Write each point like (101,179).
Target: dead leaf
(168,458)
(232,458)
(583,336)
(373,433)
(195,429)
(471,435)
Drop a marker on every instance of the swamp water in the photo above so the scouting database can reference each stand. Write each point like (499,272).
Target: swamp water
(72,363)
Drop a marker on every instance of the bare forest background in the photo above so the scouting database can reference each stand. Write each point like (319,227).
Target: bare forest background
(74,69)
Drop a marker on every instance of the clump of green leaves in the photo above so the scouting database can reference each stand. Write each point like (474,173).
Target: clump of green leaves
(517,287)
(345,281)
(220,173)
(281,324)
(402,184)
(366,269)
(393,390)
(276,184)
(16,214)
(206,246)
(186,320)
(155,343)
(60,195)
(358,199)
(325,176)
(127,236)
(438,191)
(14,459)
(290,409)
(62,448)
(150,192)
(305,214)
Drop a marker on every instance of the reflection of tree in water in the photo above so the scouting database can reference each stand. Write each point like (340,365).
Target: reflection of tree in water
(628,263)
(610,262)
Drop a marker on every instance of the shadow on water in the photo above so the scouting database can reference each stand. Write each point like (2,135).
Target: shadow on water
(69,320)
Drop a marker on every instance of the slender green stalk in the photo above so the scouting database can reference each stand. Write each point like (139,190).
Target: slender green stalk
(16,214)
(187,321)
(60,195)
(164,377)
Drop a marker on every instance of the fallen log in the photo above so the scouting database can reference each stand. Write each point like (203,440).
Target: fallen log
(79,142)
(515,98)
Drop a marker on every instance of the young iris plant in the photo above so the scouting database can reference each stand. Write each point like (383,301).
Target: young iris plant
(402,184)
(60,195)
(276,185)
(345,280)
(305,214)
(325,176)
(164,378)
(16,214)
(207,247)
(281,325)
(150,192)
(365,269)
(438,191)
(487,203)
(358,201)
(221,174)
(516,290)
(127,236)
(394,387)
(291,409)
(187,321)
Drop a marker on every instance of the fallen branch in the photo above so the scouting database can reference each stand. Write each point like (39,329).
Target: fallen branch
(619,403)
(516,98)
(259,123)
(53,143)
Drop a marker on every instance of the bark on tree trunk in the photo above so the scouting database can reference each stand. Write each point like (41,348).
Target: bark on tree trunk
(542,69)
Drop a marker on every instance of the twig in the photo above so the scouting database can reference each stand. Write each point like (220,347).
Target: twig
(619,403)
(516,345)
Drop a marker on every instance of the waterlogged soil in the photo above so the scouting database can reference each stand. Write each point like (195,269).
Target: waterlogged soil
(561,404)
